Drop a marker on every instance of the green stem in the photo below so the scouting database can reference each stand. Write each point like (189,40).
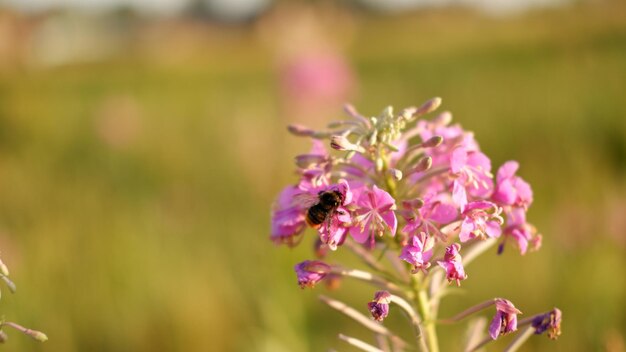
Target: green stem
(429,320)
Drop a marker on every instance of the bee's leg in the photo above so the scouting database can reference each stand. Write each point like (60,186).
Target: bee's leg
(329,220)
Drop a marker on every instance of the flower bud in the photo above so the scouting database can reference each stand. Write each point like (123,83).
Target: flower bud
(432,142)
(3,337)
(339,142)
(37,335)
(443,119)
(300,130)
(423,164)
(395,173)
(428,106)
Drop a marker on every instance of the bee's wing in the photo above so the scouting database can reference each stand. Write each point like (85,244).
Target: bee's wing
(305,199)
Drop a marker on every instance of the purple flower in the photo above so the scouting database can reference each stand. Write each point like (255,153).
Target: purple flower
(288,218)
(472,171)
(310,272)
(379,307)
(505,320)
(550,321)
(374,214)
(511,189)
(453,265)
(418,252)
(480,219)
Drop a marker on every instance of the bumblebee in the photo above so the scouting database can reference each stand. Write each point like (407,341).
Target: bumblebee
(327,204)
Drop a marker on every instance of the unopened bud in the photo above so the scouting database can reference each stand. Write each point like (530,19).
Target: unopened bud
(443,119)
(37,335)
(339,142)
(395,173)
(428,106)
(3,337)
(424,164)
(300,130)
(432,142)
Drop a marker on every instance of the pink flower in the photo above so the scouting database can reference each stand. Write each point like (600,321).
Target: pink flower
(453,136)
(453,265)
(511,189)
(432,212)
(288,218)
(418,252)
(472,171)
(379,307)
(480,219)
(310,272)
(374,214)
(520,231)
(505,320)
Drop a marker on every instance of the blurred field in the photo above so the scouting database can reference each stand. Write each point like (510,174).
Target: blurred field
(135,192)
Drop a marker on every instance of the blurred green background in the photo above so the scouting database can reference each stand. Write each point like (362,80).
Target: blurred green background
(139,158)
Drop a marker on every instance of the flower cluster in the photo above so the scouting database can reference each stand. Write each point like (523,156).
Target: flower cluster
(419,188)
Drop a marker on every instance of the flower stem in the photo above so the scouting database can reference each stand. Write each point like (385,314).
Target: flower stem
(468,312)
(429,320)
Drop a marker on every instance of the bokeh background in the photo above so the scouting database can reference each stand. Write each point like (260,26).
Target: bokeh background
(142,143)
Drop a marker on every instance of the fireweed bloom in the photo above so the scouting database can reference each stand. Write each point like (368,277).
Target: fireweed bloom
(480,219)
(418,252)
(511,189)
(505,320)
(379,307)
(453,265)
(374,215)
(402,191)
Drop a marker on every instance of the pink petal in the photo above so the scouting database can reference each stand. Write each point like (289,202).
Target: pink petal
(466,230)
(458,195)
(458,159)
(493,229)
(479,159)
(443,213)
(361,233)
(505,194)
(507,170)
(390,219)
